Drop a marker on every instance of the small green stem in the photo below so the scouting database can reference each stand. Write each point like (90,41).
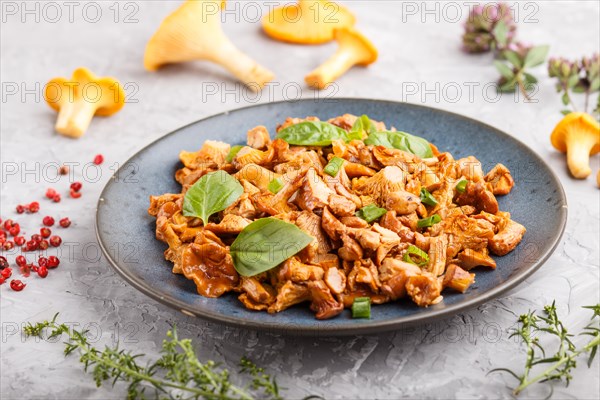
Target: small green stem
(595,342)
(523,89)
(566,89)
(587,98)
(86,349)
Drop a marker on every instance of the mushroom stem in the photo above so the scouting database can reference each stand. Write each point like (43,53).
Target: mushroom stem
(74,118)
(332,69)
(578,158)
(244,68)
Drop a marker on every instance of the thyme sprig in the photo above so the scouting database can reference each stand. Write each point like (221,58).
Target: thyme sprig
(559,365)
(177,374)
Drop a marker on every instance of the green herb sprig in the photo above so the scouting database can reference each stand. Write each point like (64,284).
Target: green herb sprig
(177,374)
(492,28)
(578,76)
(559,365)
(515,65)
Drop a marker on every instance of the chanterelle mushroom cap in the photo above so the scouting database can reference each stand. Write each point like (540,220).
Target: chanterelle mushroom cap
(577,134)
(307,22)
(193,32)
(78,99)
(354,49)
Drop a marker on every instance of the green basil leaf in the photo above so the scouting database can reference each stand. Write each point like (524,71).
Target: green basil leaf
(402,141)
(333,166)
(212,193)
(371,213)
(233,152)
(364,124)
(536,56)
(315,133)
(276,185)
(266,243)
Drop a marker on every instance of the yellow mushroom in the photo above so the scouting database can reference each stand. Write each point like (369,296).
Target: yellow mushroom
(78,99)
(193,32)
(307,21)
(354,49)
(598,179)
(577,134)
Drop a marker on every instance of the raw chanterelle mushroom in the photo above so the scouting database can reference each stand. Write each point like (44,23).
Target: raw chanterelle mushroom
(78,99)
(354,49)
(193,32)
(307,22)
(577,134)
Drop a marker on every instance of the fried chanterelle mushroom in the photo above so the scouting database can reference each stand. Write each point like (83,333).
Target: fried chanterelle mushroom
(367,221)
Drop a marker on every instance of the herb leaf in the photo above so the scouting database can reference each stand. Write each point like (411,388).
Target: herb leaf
(315,133)
(512,58)
(558,366)
(504,69)
(266,243)
(364,124)
(500,32)
(402,141)
(536,56)
(212,193)
(176,374)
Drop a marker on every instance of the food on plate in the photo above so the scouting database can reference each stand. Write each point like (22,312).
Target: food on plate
(307,21)
(193,32)
(354,49)
(578,135)
(78,99)
(330,213)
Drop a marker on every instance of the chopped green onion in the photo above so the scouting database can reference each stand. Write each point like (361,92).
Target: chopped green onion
(427,198)
(333,166)
(461,186)
(412,253)
(361,307)
(276,185)
(429,221)
(233,152)
(370,213)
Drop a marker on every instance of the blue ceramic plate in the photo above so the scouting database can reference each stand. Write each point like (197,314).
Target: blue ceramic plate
(126,232)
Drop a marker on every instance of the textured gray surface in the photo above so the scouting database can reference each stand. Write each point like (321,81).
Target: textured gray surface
(448,359)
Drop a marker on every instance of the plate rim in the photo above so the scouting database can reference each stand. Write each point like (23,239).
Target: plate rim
(321,328)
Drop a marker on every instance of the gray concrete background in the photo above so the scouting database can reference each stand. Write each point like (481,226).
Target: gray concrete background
(420,62)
